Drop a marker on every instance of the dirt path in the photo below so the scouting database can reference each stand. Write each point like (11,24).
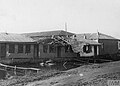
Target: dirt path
(83,76)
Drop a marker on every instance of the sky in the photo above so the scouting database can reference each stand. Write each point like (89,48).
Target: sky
(81,16)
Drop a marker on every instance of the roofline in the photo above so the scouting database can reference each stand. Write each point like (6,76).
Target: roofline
(108,39)
(113,38)
(16,42)
(48,32)
(96,44)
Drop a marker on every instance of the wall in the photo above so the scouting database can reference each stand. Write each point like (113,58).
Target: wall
(19,55)
(67,54)
(45,55)
(109,46)
(54,55)
(88,54)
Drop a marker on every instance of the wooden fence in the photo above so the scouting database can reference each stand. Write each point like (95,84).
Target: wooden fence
(15,68)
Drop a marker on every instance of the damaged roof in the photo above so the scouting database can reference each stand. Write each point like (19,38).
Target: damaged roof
(10,37)
(94,36)
(90,42)
(48,33)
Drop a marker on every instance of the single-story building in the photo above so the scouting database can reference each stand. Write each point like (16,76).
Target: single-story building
(109,44)
(86,48)
(63,44)
(53,43)
(15,46)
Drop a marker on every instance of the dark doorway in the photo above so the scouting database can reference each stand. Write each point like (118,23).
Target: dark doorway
(3,50)
(58,51)
(95,50)
(36,51)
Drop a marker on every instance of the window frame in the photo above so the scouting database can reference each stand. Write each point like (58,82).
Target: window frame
(53,49)
(87,48)
(45,48)
(11,48)
(118,45)
(68,49)
(28,48)
(20,48)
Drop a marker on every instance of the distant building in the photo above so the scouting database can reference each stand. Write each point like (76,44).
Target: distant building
(109,43)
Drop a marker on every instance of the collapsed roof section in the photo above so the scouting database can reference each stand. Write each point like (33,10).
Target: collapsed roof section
(77,45)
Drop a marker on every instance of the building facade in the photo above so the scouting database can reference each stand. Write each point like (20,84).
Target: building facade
(60,49)
(51,44)
(109,44)
(15,47)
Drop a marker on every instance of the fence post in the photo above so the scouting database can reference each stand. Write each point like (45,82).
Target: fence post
(37,71)
(15,70)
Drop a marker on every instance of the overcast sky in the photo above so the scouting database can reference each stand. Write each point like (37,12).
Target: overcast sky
(82,16)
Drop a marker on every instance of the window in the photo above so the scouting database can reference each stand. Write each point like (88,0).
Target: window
(28,48)
(87,49)
(52,49)
(11,48)
(45,48)
(68,48)
(20,48)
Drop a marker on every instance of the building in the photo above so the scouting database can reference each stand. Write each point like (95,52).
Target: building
(85,47)
(109,43)
(53,44)
(15,47)
(63,44)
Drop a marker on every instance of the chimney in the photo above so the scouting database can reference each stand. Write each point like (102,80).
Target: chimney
(84,36)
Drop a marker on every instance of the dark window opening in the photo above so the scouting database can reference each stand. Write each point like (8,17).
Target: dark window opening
(71,49)
(87,49)
(11,48)
(45,48)
(52,49)
(20,48)
(28,48)
(68,48)
(3,50)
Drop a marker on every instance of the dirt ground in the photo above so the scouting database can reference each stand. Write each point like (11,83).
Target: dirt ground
(88,75)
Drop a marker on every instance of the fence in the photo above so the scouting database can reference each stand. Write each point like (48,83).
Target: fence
(15,68)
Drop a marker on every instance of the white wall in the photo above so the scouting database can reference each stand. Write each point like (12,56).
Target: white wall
(88,54)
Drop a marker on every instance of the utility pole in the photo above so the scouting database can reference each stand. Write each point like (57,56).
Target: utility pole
(65,26)
(66,29)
